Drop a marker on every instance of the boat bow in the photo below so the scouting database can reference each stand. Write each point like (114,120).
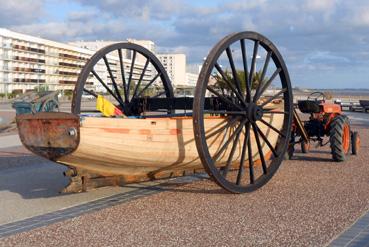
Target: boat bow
(49,134)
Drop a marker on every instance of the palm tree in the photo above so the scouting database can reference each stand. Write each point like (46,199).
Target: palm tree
(222,85)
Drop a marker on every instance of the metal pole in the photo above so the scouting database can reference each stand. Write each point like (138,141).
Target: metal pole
(38,81)
(6,90)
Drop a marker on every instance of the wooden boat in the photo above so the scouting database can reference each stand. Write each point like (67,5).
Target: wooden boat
(229,130)
(133,149)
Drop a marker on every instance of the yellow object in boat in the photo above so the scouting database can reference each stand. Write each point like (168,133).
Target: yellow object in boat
(107,108)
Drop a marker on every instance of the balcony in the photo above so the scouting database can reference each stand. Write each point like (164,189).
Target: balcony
(28,80)
(29,70)
(67,82)
(28,59)
(68,73)
(30,49)
(70,65)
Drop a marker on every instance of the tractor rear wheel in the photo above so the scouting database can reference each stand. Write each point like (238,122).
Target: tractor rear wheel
(355,142)
(340,138)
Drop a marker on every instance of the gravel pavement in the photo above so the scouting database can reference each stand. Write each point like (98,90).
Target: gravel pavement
(307,203)
(30,186)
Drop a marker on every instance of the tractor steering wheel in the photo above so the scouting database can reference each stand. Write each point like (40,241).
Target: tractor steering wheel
(317,96)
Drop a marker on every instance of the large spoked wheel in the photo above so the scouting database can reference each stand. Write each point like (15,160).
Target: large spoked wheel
(123,73)
(242,145)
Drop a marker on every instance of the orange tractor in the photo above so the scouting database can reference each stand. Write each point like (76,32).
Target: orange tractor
(326,119)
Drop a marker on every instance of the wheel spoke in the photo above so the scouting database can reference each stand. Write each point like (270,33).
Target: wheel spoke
(131,72)
(90,92)
(228,123)
(245,69)
(267,84)
(220,151)
(253,62)
(260,149)
(243,154)
(112,79)
(266,141)
(272,127)
(274,97)
(159,94)
(106,87)
(221,72)
(231,154)
(266,63)
(234,71)
(251,161)
(149,84)
(141,77)
(123,74)
(224,99)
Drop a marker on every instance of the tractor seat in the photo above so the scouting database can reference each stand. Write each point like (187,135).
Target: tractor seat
(308,106)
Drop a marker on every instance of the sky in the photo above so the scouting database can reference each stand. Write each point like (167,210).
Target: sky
(325,43)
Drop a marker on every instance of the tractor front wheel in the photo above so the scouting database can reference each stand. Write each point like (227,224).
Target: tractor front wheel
(355,142)
(340,138)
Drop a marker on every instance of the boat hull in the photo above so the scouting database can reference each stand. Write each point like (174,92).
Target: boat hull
(50,135)
(135,149)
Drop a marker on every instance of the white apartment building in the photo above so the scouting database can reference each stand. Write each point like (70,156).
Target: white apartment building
(27,62)
(175,65)
(148,44)
(191,79)
(98,44)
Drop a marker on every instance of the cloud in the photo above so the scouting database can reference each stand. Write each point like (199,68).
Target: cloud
(156,9)
(313,35)
(327,58)
(18,12)
(320,5)
(82,16)
(361,17)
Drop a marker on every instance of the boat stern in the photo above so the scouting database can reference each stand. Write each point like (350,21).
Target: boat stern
(49,134)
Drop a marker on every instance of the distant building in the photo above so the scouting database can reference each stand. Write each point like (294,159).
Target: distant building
(27,62)
(188,88)
(148,44)
(175,65)
(92,45)
(191,79)
(98,44)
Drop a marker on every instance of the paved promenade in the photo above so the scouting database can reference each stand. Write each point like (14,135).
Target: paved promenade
(310,202)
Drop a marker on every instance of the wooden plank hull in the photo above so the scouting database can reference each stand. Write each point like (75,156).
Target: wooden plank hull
(133,149)
(144,147)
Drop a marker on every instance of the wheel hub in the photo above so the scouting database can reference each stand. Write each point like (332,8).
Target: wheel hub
(254,112)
